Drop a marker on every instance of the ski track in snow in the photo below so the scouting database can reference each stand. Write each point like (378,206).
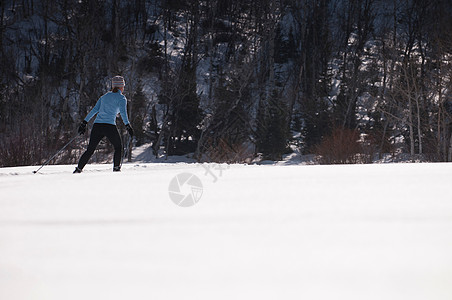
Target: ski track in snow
(258,232)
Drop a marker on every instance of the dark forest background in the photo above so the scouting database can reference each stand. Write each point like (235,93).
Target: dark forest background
(231,80)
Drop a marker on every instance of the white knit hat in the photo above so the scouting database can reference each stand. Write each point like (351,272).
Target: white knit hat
(117,81)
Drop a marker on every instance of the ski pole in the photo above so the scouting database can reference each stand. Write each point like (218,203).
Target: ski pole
(126,150)
(67,144)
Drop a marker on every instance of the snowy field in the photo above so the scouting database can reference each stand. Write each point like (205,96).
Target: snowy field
(258,232)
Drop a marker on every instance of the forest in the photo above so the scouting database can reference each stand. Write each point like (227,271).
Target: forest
(231,80)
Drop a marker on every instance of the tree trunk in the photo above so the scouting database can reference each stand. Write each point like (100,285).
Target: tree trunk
(449,158)
(410,125)
(419,128)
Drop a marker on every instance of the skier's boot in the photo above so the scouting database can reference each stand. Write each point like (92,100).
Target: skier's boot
(77,170)
(117,169)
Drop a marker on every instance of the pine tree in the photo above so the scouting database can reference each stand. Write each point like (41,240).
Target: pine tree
(138,114)
(273,131)
(185,115)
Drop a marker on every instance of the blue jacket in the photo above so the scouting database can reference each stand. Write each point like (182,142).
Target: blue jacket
(107,107)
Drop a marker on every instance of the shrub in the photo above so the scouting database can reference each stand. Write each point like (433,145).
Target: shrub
(342,146)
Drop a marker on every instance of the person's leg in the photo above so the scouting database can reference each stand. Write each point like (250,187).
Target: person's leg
(96,136)
(114,138)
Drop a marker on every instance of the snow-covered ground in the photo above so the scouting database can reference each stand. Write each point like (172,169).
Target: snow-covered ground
(257,232)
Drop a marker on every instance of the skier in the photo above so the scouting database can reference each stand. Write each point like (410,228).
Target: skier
(107,107)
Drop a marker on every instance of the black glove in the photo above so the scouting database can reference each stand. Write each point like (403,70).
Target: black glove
(129,129)
(82,127)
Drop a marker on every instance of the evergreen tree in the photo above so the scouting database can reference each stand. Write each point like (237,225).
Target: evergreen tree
(138,114)
(274,130)
(227,128)
(185,114)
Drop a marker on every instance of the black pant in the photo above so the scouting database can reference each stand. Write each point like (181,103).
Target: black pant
(97,133)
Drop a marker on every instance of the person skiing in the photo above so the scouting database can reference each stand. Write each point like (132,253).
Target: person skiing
(106,108)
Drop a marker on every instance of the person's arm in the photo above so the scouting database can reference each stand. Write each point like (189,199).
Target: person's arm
(94,111)
(123,111)
(125,118)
